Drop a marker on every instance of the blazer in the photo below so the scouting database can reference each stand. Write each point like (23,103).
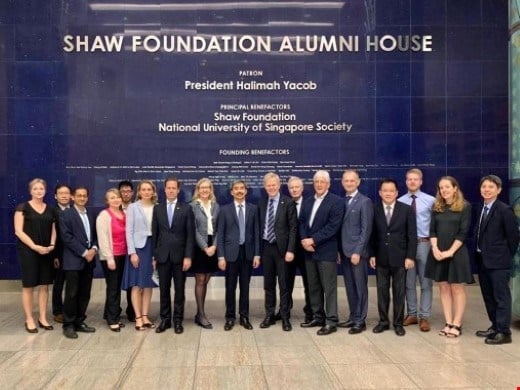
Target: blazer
(392,244)
(176,242)
(137,230)
(229,233)
(201,223)
(285,223)
(104,234)
(357,226)
(325,227)
(499,236)
(75,241)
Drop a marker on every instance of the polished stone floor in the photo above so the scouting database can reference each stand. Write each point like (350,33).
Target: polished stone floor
(257,359)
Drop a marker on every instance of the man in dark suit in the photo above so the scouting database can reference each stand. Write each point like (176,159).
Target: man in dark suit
(497,238)
(278,224)
(173,237)
(238,249)
(320,221)
(78,234)
(393,248)
(355,239)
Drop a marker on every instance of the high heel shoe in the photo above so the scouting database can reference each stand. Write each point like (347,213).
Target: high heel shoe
(116,329)
(33,330)
(139,327)
(444,332)
(149,324)
(206,325)
(455,331)
(46,327)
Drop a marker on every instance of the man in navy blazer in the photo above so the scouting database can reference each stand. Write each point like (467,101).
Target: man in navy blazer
(78,235)
(238,250)
(355,238)
(278,224)
(173,237)
(496,238)
(319,224)
(393,249)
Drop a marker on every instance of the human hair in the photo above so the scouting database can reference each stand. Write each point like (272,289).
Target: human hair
(125,183)
(196,192)
(417,171)
(36,181)
(80,187)
(457,205)
(151,183)
(493,179)
(112,191)
(322,174)
(272,175)
(388,180)
(294,178)
(173,178)
(59,186)
(351,171)
(237,181)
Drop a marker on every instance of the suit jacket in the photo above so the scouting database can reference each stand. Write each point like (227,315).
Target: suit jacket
(75,241)
(175,242)
(201,223)
(285,223)
(392,244)
(137,229)
(357,226)
(229,233)
(325,227)
(499,236)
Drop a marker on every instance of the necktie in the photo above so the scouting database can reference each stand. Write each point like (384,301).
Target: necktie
(241,224)
(297,209)
(388,214)
(270,222)
(481,224)
(414,205)
(170,213)
(347,199)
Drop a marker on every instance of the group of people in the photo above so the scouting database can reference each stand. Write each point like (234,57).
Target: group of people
(416,237)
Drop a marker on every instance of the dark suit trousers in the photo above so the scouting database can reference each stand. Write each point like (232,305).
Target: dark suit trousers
(57,291)
(167,271)
(77,296)
(494,285)
(274,265)
(298,262)
(113,280)
(356,286)
(323,289)
(397,276)
(238,271)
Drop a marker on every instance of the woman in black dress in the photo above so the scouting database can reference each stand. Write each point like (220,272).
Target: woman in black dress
(448,262)
(34,227)
(205,208)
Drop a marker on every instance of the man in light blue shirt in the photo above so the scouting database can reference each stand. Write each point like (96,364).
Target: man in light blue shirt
(422,204)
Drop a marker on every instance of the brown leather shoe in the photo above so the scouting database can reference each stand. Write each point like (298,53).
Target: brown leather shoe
(410,320)
(424,325)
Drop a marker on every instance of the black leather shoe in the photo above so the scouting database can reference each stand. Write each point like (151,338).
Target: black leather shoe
(277,317)
(165,324)
(498,339)
(46,327)
(70,333)
(311,324)
(244,321)
(357,329)
(346,324)
(379,328)
(286,325)
(399,330)
(84,328)
(30,330)
(490,332)
(178,328)
(229,325)
(326,329)
(267,322)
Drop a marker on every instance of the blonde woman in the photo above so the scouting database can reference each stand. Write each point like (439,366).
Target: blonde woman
(448,263)
(34,227)
(139,268)
(110,226)
(205,209)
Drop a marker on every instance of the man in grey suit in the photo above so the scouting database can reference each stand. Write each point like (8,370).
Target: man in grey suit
(355,238)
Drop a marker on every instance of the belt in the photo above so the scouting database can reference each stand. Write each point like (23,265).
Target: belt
(423,239)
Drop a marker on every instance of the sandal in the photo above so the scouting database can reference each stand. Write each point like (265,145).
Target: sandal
(444,332)
(149,324)
(456,333)
(139,327)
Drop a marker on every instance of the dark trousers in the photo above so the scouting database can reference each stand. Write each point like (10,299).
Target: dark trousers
(291,267)
(323,290)
(167,271)
(77,296)
(397,276)
(494,285)
(238,271)
(57,291)
(274,265)
(113,280)
(356,286)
